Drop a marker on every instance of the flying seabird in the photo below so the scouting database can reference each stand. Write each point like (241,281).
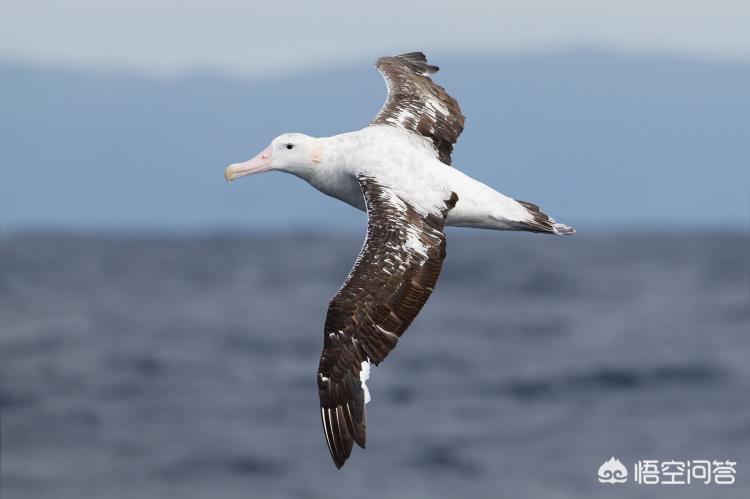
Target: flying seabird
(397,169)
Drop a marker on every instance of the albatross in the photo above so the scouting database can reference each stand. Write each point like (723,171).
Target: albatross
(398,170)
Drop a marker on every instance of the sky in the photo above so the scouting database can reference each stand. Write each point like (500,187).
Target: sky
(263,39)
(131,110)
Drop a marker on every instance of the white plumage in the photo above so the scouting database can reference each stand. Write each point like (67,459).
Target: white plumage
(404,164)
(364,375)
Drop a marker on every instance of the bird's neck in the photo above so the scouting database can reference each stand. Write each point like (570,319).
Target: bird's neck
(334,152)
(333,173)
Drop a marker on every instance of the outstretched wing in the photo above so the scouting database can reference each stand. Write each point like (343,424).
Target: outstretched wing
(418,105)
(390,282)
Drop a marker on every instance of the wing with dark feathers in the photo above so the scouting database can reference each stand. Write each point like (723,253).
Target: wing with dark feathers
(390,282)
(418,105)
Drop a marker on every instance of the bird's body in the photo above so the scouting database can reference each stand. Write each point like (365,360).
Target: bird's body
(397,169)
(403,162)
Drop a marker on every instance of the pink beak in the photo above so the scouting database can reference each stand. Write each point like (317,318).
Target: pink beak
(259,164)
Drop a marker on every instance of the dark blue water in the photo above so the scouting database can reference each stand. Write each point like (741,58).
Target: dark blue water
(185,368)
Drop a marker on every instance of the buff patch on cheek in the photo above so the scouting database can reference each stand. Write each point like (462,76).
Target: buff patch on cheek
(317,156)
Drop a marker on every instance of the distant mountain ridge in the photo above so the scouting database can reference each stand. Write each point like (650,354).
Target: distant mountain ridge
(598,140)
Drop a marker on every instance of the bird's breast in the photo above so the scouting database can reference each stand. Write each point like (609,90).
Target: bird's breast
(340,186)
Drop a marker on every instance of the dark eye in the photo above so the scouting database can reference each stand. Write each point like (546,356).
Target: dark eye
(289,146)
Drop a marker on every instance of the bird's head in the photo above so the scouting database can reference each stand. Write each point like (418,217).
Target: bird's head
(291,152)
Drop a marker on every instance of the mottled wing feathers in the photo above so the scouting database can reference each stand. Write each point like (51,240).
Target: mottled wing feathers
(418,105)
(391,280)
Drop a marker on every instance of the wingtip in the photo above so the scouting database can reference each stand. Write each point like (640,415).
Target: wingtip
(341,433)
(418,61)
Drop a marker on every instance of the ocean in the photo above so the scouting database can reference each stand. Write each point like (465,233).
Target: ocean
(143,366)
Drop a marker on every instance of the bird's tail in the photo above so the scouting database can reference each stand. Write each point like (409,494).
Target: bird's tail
(541,222)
